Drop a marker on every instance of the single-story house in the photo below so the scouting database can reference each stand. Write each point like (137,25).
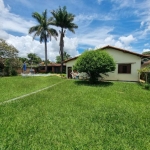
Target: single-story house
(52,68)
(127,64)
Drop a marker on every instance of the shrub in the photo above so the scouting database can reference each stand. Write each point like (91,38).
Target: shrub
(147,86)
(95,63)
(14,72)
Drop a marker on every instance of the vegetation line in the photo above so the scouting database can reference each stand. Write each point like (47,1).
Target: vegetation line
(14,99)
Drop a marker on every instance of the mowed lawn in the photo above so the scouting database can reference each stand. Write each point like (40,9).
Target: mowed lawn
(76,116)
(11,87)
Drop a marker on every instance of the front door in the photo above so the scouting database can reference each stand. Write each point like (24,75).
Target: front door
(69,72)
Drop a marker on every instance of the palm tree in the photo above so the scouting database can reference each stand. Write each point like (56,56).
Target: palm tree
(64,20)
(43,30)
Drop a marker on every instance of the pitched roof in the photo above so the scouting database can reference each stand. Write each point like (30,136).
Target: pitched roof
(123,50)
(71,59)
(112,47)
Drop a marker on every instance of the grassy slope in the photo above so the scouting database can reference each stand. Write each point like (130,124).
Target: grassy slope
(78,116)
(11,87)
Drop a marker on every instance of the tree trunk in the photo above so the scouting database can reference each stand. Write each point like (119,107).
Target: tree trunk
(45,54)
(61,48)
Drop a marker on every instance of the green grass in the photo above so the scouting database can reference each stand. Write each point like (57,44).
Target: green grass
(12,87)
(78,116)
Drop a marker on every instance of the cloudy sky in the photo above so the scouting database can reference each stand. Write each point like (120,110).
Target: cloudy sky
(124,24)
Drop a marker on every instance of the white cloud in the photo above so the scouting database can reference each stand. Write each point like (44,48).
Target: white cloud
(122,42)
(3,35)
(12,22)
(146,44)
(146,50)
(3,8)
(127,39)
(94,37)
(142,24)
(26,44)
(119,44)
(110,40)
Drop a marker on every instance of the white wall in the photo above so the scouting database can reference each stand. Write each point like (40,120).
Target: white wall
(119,57)
(122,57)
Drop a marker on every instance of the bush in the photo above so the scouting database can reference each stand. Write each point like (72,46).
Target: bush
(7,71)
(95,63)
(14,72)
(147,86)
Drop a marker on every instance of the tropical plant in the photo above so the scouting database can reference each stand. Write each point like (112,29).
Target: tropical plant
(95,63)
(43,30)
(64,20)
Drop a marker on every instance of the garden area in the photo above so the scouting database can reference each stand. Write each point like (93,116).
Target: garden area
(73,115)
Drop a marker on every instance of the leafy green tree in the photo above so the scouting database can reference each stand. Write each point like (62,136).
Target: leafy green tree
(7,50)
(48,61)
(8,57)
(1,65)
(11,65)
(95,63)
(146,53)
(65,57)
(147,58)
(34,58)
(43,30)
(64,20)
(23,59)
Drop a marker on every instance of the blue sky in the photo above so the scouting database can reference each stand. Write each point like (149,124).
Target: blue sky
(124,24)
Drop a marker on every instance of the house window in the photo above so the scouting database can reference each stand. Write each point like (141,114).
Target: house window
(124,68)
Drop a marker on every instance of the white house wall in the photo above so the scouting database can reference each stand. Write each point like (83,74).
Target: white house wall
(122,57)
(119,58)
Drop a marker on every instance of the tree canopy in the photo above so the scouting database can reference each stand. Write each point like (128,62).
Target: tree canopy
(146,53)
(34,58)
(95,63)
(7,50)
(8,57)
(65,57)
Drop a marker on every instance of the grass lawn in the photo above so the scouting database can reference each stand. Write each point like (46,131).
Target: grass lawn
(76,116)
(12,87)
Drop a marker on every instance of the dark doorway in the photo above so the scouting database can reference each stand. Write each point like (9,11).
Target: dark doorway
(69,72)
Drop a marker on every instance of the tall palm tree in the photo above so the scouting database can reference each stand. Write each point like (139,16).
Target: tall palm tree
(64,20)
(43,30)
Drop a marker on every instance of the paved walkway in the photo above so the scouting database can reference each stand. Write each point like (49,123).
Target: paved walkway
(17,98)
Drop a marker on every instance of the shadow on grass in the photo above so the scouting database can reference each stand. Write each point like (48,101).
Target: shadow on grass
(99,84)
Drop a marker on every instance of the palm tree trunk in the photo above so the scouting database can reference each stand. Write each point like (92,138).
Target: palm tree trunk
(45,54)
(61,48)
